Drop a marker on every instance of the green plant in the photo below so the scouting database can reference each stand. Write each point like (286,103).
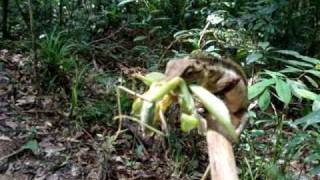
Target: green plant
(55,54)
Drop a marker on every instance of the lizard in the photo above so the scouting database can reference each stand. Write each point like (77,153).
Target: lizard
(222,77)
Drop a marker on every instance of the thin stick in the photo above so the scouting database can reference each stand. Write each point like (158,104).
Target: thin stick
(138,121)
(206,173)
(164,125)
(133,93)
(120,114)
(11,154)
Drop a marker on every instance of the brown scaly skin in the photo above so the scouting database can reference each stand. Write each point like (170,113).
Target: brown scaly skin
(222,77)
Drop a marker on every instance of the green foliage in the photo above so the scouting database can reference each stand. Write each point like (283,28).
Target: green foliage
(56,60)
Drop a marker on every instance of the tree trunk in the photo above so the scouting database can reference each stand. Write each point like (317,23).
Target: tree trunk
(5,5)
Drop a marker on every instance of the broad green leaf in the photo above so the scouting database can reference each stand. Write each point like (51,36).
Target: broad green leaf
(188,122)
(316,105)
(310,119)
(283,91)
(253,57)
(124,2)
(298,63)
(273,74)
(304,93)
(312,157)
(314,171)
(264,45)
(259,87)
(264,100)
(290,69)
(314,72)
(299,56)
(31,145)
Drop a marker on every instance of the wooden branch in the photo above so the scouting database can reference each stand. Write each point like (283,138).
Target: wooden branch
(222,162)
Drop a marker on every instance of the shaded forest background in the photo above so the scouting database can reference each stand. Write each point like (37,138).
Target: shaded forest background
(61,60)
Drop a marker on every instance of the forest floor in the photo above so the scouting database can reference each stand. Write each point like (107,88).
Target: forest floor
(38,141)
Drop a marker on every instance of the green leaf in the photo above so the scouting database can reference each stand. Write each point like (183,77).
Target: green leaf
(31,145)
(316,106)
(312,157)
(139,38)
(311,81)
(283,90)
(310,119)
(253,57)
(264,45)
(290,69)
(314,72)
(264,100)
(304,93)
(299,56)
(188,122)
(259,87)
(314,171)
(124,2)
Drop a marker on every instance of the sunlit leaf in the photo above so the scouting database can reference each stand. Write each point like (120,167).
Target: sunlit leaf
(290,69)
(283,91)
(316,105)
(215,18)
(314,72)
(259,87)
(139,38)
(304,93)
(299,56)
(264,45)
(264,100)
(124,2)
(310,119)
(253,57)
(311,81)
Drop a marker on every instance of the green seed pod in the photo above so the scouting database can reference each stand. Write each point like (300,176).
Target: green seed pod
(136,106)
(217,109)
(188,122)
